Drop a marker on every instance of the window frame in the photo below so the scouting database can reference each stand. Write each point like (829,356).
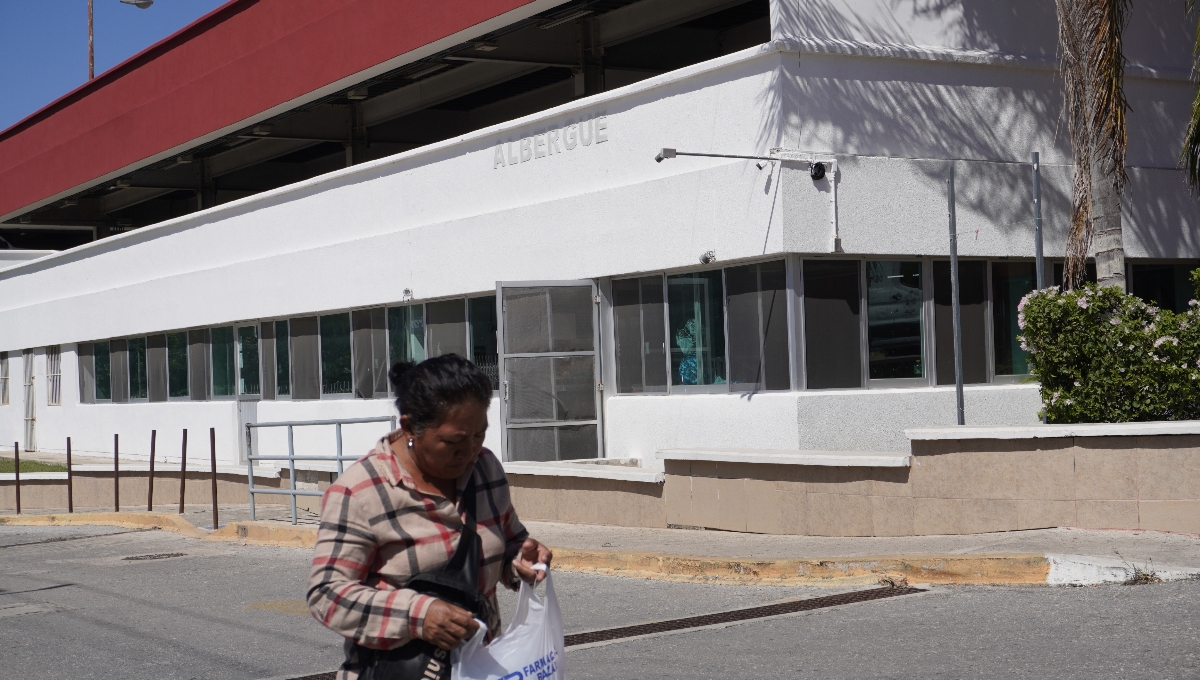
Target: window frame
(95,382)
(212,364)
(321,352)
(926,330)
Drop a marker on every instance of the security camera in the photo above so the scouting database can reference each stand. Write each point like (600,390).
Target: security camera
(816,171)
(665,153)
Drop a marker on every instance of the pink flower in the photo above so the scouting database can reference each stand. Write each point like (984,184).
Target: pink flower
(1082,302)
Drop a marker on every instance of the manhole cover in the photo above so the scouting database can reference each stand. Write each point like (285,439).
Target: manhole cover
(156,556)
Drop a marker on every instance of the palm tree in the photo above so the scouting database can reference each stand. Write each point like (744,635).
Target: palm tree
(1090,36)
(1189,159)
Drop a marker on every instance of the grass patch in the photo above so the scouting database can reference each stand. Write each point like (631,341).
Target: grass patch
(6,465)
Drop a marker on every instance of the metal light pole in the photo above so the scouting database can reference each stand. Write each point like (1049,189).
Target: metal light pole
(91,50)
(140,4)
(955,306)
(1037,221)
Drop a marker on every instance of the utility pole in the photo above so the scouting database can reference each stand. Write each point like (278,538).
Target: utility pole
(955,306)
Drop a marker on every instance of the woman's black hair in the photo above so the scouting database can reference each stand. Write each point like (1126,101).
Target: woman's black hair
(425,392)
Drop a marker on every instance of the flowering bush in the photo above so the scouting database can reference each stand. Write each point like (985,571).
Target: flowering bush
(1103,356)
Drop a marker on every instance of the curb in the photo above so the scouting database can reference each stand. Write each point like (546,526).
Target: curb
(978,569)
(128,520)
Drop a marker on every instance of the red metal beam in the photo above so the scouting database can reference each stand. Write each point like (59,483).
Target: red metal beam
(239,60)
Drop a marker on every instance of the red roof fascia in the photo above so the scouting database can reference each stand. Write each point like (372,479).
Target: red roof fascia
(239,60)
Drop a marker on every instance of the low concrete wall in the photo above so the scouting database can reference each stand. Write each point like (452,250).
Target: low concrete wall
(95,490)
(954,487)
(588,501)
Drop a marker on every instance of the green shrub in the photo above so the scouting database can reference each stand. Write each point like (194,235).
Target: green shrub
(1103,356)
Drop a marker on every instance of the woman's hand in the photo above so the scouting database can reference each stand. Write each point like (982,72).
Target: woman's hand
(447,626)
(532,553)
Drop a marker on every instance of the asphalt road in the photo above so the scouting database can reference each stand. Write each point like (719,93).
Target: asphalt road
(71,606)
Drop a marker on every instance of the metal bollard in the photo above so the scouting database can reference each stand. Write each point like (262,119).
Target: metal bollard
(212,443)
(183,471)
(17,472)
(70,480)
(116,474)
(150,480)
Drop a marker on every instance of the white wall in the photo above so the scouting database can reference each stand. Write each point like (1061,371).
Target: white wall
(445,220)
(836,420)
(12,256)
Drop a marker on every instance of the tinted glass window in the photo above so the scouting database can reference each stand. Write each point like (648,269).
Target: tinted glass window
(335,354)
(832,324)
(137,368)
(756,305)
(1011,281)
(1165,286)
(972,300)
(103,371)
(177,364)
(283,360)
(638,311)
(697,328)
(247,347)
(894,338)
(447,324)
(224,366)
(482,315)
(406,333)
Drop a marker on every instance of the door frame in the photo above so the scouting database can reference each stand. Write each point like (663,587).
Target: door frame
(597,366)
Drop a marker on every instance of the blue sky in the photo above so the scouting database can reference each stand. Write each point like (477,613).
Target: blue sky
(43,44)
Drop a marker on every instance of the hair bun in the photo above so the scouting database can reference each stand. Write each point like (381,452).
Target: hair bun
(397,373)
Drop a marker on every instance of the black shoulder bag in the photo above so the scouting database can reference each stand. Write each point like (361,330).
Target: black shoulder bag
(456,583)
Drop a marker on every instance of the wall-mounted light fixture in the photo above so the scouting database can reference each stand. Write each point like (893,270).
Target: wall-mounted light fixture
(708,257)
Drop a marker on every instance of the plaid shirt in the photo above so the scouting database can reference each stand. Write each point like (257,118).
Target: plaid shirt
(377,531)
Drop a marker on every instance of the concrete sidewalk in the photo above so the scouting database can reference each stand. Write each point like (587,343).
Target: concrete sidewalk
(1045,556)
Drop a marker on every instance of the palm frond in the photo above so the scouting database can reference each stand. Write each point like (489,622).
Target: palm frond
(1090,36)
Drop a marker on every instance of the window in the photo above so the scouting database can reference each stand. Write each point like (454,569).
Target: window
(482,316)
(697,328)
(85,353)
(305,357)
(103,371)
(136,349)
(247,360)
(1011,281)
(370,353)
(336,377)
(177,365)
(1166,286)
(199,365)
(639,312)
(118,370)
(406,333)
(224,367)
(894,320)
(54,375)
(156,367)
(3,378)
(283,368)
(972,300)
(1089,273)
(446,322)
(756,307)
(832,324)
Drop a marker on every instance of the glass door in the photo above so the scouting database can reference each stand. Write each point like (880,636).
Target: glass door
(549,389)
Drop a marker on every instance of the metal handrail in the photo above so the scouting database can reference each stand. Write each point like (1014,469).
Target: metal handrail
(292,457)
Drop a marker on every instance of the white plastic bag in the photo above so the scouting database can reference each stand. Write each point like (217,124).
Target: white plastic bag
(531,648)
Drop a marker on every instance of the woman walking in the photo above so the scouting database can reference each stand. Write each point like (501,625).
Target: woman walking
(415,537)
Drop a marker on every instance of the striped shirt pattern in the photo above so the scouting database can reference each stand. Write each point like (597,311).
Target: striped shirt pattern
(377,531)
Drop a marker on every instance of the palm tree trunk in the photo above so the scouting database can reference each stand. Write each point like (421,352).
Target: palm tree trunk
(1106,225)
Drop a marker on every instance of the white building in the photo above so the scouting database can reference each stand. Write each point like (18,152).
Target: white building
(695,302)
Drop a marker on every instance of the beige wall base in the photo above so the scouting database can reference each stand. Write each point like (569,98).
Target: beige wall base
(589,501)
(954,487)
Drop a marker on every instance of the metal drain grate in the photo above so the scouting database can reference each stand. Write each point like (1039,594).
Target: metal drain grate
(737,615)
(156,556)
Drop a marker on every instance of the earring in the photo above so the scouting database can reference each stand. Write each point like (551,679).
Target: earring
(410,444)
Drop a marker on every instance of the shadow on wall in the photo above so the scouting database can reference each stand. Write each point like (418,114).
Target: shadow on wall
(940,110)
